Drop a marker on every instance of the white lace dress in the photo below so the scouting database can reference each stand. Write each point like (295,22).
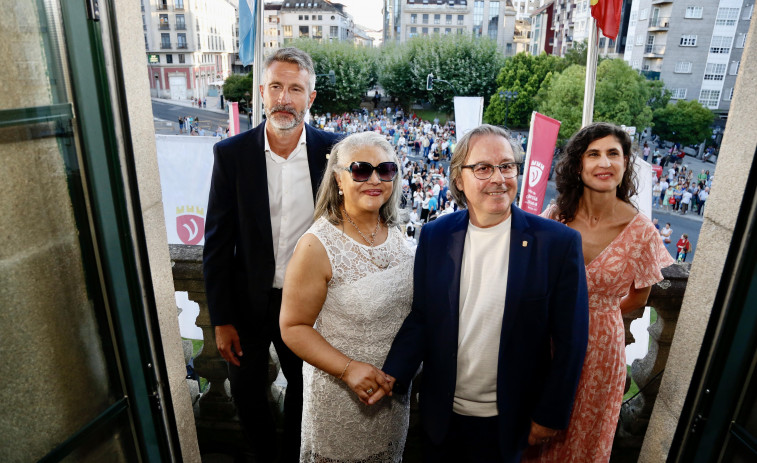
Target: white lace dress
(364,308)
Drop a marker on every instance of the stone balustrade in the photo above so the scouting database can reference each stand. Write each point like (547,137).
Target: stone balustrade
(218,426)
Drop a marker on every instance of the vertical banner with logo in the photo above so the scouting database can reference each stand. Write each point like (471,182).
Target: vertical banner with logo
(469,111)
(233,119)
(541,148)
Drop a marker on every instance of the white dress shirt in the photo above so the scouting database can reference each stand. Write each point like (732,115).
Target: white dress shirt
(290,198)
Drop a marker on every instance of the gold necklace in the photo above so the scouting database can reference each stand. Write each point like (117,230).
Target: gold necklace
(368,241)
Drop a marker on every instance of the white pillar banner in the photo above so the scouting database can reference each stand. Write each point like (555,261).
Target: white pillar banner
(469,112)
(185,164)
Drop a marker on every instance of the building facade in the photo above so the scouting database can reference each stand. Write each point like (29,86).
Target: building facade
(319,20)
(190,45)
(571,26)
(694,48)
(406,19)
(542,32)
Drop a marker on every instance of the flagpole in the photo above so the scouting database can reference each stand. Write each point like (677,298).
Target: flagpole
(591,74)
(257,66)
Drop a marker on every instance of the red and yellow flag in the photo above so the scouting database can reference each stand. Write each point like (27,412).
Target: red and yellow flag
(607,14)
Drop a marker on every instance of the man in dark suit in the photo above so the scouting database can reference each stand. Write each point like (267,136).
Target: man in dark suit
(502,342)
(261,201)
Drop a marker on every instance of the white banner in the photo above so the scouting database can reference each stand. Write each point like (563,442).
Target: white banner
(643,198)
(185,164)
(469,112)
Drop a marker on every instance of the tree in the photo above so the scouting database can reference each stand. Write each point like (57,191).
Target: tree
(621,97)
(355,70)
(686,122)
(238,87)
(468,65)
(575,55)
(524,74)
(563,100)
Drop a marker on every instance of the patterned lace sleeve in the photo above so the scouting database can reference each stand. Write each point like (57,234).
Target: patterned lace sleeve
(652,255)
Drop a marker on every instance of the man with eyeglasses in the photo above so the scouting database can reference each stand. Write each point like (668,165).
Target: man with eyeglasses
(262,198)
(503,345)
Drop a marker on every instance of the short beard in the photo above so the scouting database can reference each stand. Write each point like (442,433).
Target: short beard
(297,118)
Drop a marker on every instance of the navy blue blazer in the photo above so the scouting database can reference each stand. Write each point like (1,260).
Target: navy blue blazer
(544,327)
(238,259)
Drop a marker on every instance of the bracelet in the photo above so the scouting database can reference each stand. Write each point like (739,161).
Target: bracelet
(345,369)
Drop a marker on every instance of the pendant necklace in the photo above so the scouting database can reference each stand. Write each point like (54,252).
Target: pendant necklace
(368,241)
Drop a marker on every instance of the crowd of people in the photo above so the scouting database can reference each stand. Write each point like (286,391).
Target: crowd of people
(514,319)
(681,191)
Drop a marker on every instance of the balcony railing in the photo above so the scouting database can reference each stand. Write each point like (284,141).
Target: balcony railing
(659,23)
(215,414)
(181,27)
(181,46)
(164,27)
(165,45)
(162,7)
(654,51)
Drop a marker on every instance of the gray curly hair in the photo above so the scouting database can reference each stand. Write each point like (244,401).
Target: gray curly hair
(329,203)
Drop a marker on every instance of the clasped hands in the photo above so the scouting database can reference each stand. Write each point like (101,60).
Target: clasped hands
(368,382)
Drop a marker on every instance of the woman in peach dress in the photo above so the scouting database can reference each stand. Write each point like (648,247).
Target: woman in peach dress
(623,256)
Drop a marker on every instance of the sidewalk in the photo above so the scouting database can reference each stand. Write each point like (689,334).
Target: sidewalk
(213,104)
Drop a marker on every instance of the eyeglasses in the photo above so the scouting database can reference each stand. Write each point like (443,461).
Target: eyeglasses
(484,171)
(362,171)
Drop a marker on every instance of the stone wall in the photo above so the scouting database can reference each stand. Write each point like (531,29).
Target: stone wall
(736,157)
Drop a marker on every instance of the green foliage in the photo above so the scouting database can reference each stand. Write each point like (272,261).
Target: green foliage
(563,100)
(526,75)
(659,96)
(355,69)
(238,87)
(621,97)
(574,55)
(686,122)
(469,65)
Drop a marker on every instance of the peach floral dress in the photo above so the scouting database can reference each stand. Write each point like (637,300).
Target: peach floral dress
(635,256)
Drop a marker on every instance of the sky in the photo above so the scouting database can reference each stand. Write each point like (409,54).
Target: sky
(365,12)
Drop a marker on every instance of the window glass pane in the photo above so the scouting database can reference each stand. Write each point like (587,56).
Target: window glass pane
(58,366)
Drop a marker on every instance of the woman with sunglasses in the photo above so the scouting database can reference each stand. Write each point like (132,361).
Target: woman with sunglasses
(347,291)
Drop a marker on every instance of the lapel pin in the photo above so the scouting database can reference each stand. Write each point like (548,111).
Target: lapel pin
(525,244)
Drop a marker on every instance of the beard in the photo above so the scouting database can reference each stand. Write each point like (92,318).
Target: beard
(281,122)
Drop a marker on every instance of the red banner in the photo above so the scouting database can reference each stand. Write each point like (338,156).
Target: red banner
(541,148)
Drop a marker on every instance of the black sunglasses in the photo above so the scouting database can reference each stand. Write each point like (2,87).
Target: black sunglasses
(362,171)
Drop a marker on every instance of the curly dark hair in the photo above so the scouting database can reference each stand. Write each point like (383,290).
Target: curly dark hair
(570,188)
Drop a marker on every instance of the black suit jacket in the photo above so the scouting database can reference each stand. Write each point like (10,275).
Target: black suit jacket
(238,258)
(544,327)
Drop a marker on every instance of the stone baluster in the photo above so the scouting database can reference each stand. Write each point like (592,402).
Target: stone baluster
(666,298)
(187,273)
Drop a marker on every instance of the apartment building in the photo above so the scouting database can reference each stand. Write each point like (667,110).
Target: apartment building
(189,44)
(322,20)
(406,19)
(570,25)
(695,48)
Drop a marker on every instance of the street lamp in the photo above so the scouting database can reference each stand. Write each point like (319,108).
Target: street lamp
(507,95)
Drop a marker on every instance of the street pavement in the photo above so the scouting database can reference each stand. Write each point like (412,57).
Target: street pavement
(166,115)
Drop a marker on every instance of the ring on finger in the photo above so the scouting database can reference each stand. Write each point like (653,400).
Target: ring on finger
(369,391)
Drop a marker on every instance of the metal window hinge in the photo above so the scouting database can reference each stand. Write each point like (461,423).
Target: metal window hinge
(93,10)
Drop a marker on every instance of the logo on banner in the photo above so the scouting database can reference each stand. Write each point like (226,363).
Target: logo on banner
(534,173)
(190,224)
